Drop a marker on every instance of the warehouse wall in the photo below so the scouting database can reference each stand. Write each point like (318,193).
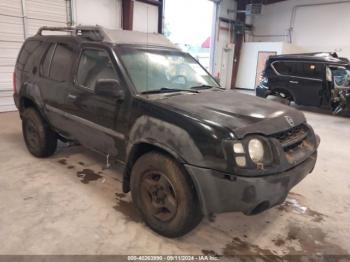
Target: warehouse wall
(19,20)
(145,17)
(249,58)
(316,28)
(106,13)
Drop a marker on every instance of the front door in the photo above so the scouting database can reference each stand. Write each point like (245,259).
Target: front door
(95,116)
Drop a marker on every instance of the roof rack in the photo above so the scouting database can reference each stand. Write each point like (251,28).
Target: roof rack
(94,33)
(114,36)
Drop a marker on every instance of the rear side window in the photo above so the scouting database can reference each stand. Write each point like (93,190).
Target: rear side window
(58,62)
(62,63)
(94,64)
(27,56)
(299,69)
(45,65)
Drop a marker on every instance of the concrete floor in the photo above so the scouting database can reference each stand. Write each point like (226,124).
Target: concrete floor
(48,206)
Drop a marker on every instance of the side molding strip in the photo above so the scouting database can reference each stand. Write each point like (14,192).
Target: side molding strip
(86,122)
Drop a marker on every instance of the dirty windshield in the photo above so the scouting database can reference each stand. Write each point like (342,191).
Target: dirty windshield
(163,70)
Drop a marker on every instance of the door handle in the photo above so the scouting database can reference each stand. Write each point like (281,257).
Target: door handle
(72,97)
(294,82)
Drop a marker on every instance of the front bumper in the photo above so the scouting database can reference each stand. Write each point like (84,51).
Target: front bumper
(219,192)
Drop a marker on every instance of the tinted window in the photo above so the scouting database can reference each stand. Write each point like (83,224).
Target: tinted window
(300,69)
(27,55)
(45,65)
(94,65)
(62,62)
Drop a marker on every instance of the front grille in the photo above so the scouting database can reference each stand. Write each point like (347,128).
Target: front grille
(293,137)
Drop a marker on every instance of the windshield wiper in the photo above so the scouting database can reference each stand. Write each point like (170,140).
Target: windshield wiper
(168,90)
(202,87)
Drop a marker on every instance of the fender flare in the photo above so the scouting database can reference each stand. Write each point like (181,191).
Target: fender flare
(163,135)
(32,92)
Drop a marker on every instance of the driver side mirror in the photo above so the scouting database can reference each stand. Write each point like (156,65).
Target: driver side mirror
(109,88)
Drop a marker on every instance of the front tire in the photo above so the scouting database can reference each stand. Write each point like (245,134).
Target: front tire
(164,195)
(40,140)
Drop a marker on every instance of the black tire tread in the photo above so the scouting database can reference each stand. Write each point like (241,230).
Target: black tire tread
(48,138)
(192,215)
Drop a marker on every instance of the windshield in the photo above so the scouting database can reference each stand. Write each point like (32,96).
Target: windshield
(164,70)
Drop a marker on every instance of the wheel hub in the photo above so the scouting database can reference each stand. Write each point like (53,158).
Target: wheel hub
(159,196)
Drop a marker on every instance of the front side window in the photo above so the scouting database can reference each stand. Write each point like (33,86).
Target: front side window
(94,64)
(152,70)
(299,69)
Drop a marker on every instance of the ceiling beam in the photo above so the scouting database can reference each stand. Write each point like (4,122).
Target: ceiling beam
(151,2)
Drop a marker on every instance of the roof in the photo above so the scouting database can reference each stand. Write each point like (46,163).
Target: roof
(115,36)
(316,57)
(133,37)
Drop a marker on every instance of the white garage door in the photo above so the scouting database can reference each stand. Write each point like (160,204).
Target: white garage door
(106,13)
(20,19)
(145,17)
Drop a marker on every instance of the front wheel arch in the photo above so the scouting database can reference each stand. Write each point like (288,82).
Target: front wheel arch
(138,150)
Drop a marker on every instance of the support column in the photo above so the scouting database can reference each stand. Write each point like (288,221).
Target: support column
(239,39)
(127,14)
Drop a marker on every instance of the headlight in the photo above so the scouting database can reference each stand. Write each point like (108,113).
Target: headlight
(256,150)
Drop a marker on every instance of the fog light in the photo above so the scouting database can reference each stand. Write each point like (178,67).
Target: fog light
(238,148)
(240,161)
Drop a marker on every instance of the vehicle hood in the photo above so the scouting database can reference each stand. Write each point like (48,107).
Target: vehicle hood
(240,113)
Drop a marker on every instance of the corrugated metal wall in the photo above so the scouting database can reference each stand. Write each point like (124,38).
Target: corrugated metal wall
(20,19)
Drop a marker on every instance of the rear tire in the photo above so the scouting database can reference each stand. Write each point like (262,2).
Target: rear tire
(40,140)
(164,195)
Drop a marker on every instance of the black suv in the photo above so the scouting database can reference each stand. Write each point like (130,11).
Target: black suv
(189,147)
(313,79)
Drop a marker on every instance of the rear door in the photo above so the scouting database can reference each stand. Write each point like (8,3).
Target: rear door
(304,80)
(277,80)
(56,78)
